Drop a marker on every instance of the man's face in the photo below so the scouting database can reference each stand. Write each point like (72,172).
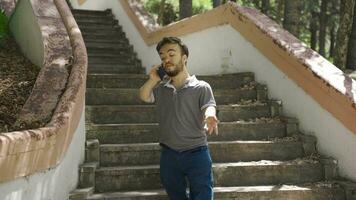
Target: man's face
(172,59)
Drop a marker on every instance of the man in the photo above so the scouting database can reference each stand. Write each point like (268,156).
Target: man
(186,111)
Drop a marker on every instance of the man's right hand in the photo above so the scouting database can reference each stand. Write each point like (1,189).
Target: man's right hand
(154,75)
(145,92)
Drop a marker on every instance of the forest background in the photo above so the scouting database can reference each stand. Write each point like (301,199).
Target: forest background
(326,26)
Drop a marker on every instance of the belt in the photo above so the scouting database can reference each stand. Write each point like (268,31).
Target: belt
(196,149)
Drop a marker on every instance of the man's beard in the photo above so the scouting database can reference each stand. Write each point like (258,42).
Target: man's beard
(175,72)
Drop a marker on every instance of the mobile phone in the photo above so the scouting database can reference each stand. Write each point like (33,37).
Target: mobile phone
(161,72)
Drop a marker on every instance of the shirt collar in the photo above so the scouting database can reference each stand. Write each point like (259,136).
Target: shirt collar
(190,82)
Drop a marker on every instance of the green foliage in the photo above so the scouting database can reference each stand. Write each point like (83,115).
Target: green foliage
(4,29)
(153,6)
(248,3)
(310,11)
(200,6)
(169,15)
(171,9)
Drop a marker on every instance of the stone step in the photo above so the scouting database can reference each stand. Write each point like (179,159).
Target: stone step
(117,68)
(311,191)
(221,152)
(99,25)
(102,36)
(105,40)
(92,30)
(99,50)
(111,55)
(240,130)
(102,30)
(108,28)
(96,21)
(120,60)
(81,193)
(122,56)
(116,114)
(227,81)
(116,80)
(94,18)
(111,96)
(109,47)
(91,12)
(264,172)
(121,44)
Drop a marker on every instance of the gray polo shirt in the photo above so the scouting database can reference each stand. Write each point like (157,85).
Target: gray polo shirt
(180,113)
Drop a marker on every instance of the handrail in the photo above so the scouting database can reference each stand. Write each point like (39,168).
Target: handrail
(23,153)
(329,86)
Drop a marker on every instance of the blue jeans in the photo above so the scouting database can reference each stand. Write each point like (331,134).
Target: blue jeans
(195,165)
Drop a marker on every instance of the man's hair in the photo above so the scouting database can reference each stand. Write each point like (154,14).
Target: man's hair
(173,40)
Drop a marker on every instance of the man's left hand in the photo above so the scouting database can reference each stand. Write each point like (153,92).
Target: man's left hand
(211,124)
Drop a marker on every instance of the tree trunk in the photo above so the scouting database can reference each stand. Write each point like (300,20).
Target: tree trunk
(161,12)
(185,8)
(257,3)
(322,26)
(351,52)
(332,41)
(292,16)
(313,30)
(216,3)
(265,6)
(343,33)
(279,11)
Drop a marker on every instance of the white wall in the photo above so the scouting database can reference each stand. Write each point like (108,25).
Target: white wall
(223,50)
(52,184)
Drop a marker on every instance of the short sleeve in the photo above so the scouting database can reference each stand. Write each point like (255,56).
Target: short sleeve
(206,97)
(154,94)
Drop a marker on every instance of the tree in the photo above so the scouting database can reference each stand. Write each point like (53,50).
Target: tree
(161,11)
(185,8)
(169,14)
(332,41)
(265,6)
(216,3)
(333,20)
(351,52)
(322,26)
(279,8)
(257,4)
(292,16)
(313,28)
(318,23)
(343,33)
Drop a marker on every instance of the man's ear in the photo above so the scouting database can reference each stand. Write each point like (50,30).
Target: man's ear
(184,57)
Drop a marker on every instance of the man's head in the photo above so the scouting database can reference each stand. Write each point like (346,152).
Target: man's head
(174,54)
(173,40)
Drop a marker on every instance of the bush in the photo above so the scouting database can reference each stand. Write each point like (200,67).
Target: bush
(4,28)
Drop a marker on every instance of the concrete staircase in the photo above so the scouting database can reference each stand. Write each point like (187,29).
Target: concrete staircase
(259,153)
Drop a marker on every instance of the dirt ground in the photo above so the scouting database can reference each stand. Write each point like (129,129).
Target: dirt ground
(17,77)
